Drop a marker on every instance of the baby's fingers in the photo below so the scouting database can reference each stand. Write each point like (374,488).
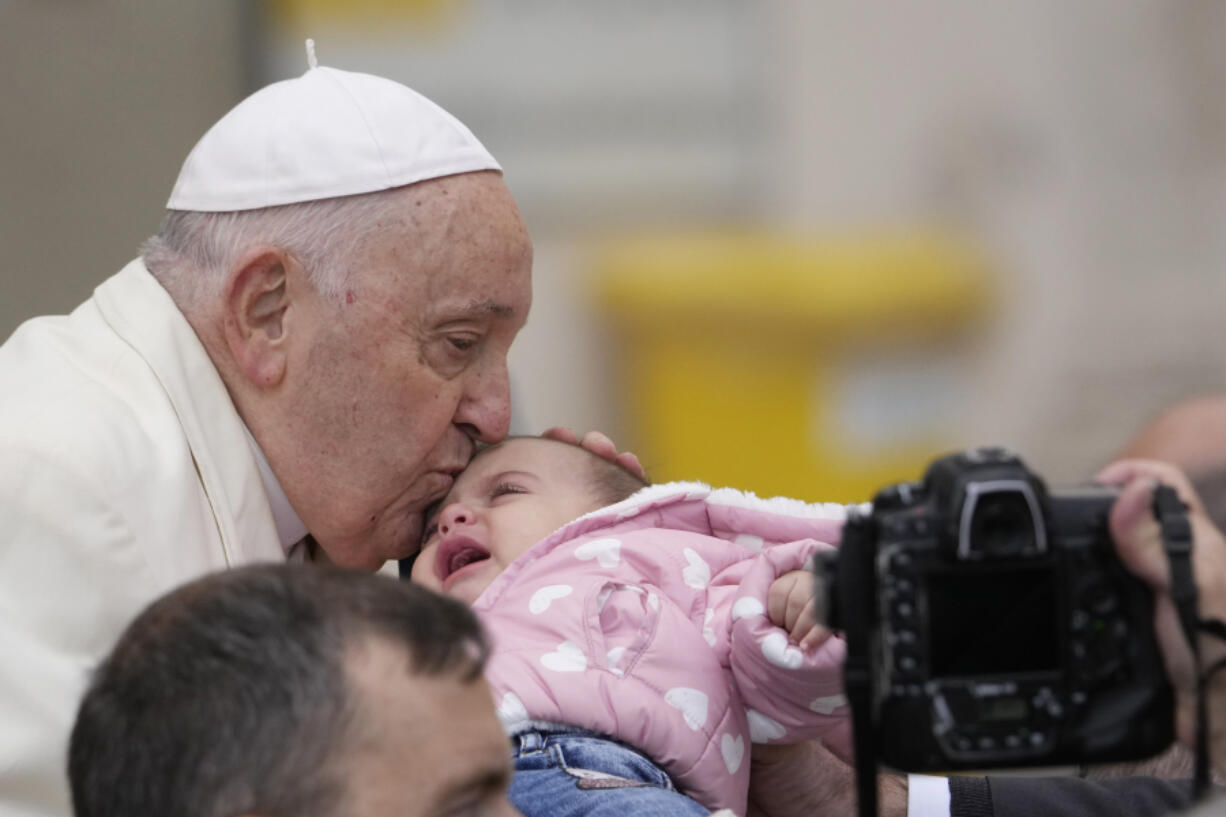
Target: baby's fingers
(814,638)
(786,598)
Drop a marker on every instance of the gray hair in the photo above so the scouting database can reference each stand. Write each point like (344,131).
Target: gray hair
(192,251)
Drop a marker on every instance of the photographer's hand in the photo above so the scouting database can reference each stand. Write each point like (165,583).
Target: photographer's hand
(807,780)
(1139,543)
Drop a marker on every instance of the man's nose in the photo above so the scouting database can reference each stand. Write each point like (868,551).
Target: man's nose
(484,412)
(453,516)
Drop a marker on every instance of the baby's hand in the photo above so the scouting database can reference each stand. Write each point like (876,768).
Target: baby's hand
(791,606)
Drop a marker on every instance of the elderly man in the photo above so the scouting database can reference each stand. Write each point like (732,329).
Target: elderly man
(314,341)
(297,691)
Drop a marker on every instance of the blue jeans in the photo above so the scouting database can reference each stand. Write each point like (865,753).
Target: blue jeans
(580,774)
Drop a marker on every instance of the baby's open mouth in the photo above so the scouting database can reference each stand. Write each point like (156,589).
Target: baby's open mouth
(456,554)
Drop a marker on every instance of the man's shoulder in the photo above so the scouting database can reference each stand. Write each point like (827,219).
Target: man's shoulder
(77,398)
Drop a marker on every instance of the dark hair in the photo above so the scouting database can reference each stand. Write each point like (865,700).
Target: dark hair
(610,482)
(229,696)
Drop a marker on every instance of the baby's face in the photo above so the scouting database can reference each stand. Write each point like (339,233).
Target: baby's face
(509,498)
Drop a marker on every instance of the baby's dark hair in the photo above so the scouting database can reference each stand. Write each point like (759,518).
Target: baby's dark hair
(610,482)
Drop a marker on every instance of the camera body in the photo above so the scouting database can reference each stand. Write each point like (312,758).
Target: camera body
(990,623)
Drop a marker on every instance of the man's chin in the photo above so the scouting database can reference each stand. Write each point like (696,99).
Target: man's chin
(410,543)
(372,552)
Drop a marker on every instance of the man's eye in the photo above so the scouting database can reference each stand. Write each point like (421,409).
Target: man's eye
(461,343)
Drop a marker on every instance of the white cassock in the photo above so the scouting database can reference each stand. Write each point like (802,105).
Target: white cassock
(124,471)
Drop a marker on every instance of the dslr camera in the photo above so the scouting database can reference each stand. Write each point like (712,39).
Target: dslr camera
(989,623)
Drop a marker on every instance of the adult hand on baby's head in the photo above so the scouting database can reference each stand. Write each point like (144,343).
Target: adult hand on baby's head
(600,445)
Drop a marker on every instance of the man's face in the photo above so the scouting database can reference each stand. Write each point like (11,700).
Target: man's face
(421,746)
(510,498)
(398,382)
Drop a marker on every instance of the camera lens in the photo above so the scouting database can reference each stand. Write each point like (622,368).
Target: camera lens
(1002,524)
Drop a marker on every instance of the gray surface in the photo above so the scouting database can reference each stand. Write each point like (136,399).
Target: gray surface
(101,101)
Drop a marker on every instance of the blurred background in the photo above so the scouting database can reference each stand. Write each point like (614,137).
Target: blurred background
(797,246)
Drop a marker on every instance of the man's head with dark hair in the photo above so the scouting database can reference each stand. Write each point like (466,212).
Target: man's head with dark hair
(510,497)
(290,690)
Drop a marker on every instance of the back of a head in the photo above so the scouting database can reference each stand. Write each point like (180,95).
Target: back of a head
(229,695)
(1192,435)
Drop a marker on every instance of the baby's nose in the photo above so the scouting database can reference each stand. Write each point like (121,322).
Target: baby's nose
(454,514)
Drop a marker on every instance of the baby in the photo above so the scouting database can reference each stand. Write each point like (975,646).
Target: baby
(637,641)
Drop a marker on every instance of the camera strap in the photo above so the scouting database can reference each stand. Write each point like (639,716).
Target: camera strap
(1171,514)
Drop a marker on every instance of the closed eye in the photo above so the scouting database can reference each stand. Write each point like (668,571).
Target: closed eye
(504,488)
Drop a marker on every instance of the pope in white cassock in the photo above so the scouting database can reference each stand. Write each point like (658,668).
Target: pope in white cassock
(313,341)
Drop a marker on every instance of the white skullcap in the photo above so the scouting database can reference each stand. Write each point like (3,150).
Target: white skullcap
(327,133)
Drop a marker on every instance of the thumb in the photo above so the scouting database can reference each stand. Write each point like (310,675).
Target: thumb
(1137,535)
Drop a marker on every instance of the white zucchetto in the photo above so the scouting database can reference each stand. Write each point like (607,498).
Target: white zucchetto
(327,133)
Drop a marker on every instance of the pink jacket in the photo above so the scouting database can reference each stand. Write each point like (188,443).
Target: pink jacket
(646,621)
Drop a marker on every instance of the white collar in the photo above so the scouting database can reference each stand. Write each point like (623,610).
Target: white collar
(290,527)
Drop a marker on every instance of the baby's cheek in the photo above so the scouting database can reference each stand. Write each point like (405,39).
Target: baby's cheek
(422,572)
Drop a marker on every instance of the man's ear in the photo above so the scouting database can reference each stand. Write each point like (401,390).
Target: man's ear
(256,302)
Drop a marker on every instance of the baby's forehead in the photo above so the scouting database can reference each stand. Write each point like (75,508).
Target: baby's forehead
(524,452)
(514,454)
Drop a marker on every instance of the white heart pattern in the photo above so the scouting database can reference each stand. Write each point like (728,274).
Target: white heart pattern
(827,704)
(780,653)
(732,750)
(542,598)
(568,657)
(512,710)
(606,552)
(692,703)
(697,573)
(614,657)
(762,728)
(749,540)
(708,632)
(747,606)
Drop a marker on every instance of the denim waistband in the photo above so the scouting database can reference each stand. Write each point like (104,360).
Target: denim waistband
(584,753)
(535,740)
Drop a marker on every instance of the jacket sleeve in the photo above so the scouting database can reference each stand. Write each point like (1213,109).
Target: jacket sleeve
(1066,796)
(70,579)
(790,695)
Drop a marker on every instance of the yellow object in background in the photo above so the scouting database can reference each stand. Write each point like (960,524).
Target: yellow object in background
(756,361)
(322,12)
